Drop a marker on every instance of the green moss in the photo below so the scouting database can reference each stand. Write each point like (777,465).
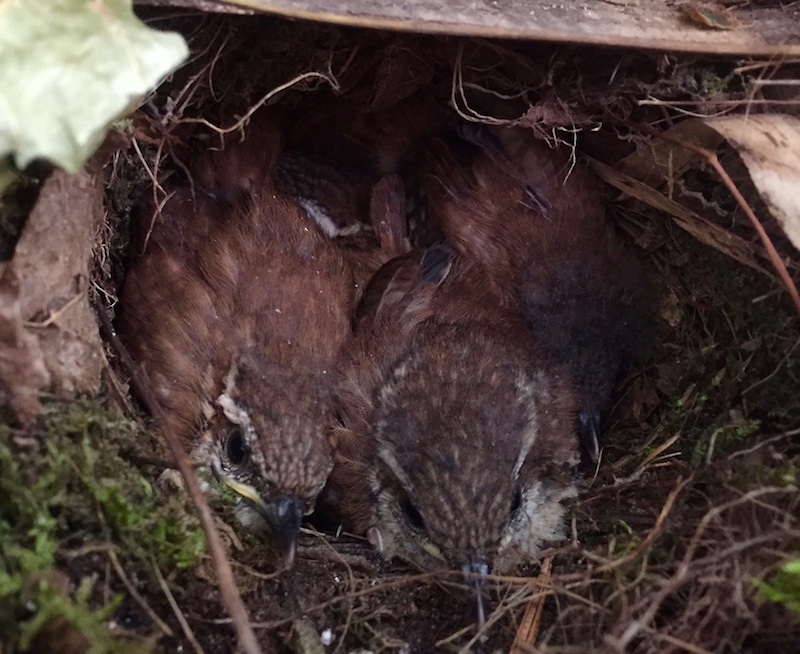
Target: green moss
(76,490)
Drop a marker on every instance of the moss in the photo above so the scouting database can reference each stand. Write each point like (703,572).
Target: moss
(76,491)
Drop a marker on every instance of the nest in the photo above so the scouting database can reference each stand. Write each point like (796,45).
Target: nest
(695,502)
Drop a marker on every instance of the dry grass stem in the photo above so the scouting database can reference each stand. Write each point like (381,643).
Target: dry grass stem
(532,618)
(112,556)
(227,584)
(187,630)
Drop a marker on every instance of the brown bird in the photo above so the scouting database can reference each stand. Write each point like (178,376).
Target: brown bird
(537,223)
(454,439)
(236,306)
(337,151)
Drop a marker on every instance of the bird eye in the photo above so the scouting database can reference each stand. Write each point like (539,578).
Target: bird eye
(516,502)
(413,515)
(235,447)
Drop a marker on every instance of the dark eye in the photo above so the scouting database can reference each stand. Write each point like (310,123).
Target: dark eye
(413,515)
(235,447)
(516,502)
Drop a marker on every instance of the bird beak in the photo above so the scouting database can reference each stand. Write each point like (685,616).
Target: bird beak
(283,516)
(589,431)
(475,570)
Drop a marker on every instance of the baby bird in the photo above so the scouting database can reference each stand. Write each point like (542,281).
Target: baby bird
(508,201)
(236,306)
(454,439)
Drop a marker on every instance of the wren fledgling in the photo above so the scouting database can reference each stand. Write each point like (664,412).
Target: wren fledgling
(236,306)
(537,224)
(454,437)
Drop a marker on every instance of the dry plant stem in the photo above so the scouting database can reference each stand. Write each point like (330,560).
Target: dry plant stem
(349,618)
(677,642)
(648,541)
(453,637)
(117,394)
(685,573)
(328,77)
(517,598)
(529,628)
(713,160)
(713,513)
(112,556)
(457,91)
(187,630)
(227,585)
(55,315)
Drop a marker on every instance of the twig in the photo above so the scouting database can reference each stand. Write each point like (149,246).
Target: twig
(683,574)
(517,597)
(402,581)
(713,160)
(651,536)
(159,206)
(453,637)
(682,644)
(531,620)
(112,555)
(55,315)
(351,578)
(763,443)
(227,585)
(117,394)
(187,630)
(715,512)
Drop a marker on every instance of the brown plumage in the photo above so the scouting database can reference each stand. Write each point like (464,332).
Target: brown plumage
(537,223)
(337,151)
(236,306)
(454,442)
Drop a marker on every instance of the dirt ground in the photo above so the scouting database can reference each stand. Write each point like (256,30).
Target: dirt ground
(693,507)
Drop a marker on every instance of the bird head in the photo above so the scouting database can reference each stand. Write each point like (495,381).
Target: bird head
(264,439)
(474,453)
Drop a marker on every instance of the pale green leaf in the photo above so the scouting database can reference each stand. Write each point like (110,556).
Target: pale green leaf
(69,69)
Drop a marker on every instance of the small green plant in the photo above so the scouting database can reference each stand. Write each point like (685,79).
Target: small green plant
(725,439)
(784,587)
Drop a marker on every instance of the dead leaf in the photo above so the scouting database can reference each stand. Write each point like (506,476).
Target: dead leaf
(703,230)
(715,18)
(661,161)
(401,73)
(22,369)
(769,145)
(52,263)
